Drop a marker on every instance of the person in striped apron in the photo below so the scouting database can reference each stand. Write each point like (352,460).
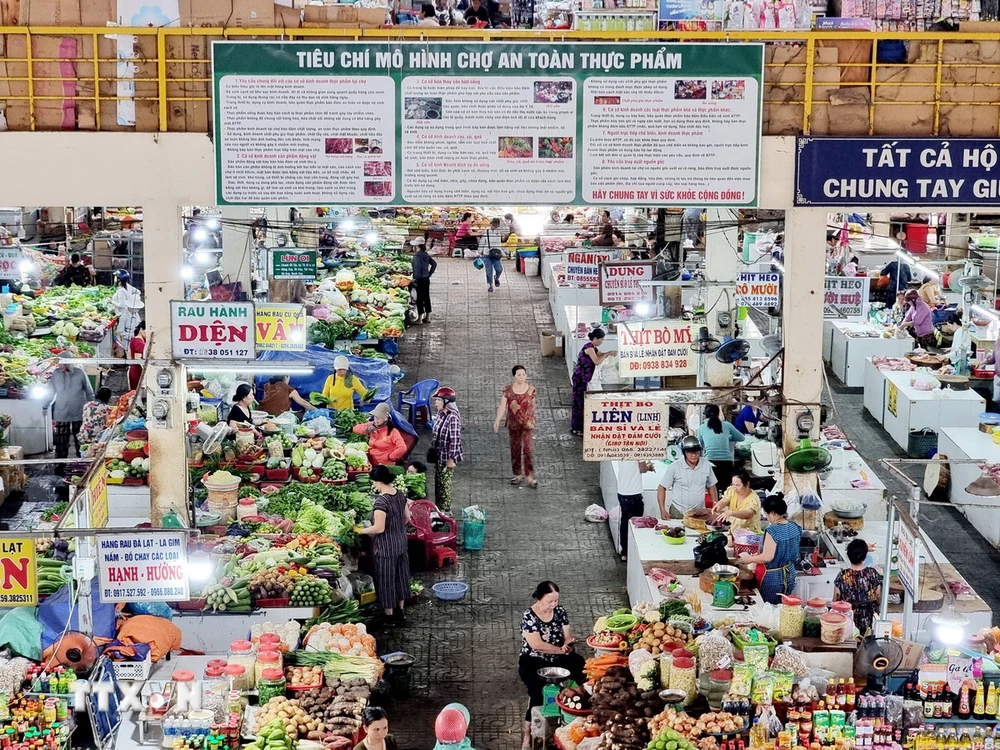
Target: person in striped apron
(391,564)
(776,562)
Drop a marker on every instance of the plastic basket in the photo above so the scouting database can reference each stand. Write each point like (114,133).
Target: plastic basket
(132,670)
(921,443)
(473,535)
(450,591)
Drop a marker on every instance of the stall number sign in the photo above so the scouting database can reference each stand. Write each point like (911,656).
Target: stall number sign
(212,330)
(623,429)
(626,282)
(293,263)
(143,567)
(845,297)
(10,262)
(907,549)
(892,403)
(757,290)
(20,583)
(281,327)
(97,496)
(581,267)
(655,348)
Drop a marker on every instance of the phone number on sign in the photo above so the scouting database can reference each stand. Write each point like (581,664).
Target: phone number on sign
(659,364)
(218,353)
(16,598)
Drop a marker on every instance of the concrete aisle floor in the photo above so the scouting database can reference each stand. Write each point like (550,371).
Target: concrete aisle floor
(467,651)
(974,557)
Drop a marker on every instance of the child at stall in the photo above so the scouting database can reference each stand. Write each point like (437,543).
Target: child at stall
(860,585)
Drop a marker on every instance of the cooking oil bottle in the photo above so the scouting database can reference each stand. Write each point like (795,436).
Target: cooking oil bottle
(964,740)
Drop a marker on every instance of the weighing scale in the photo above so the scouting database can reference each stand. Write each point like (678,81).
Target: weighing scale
(553,676)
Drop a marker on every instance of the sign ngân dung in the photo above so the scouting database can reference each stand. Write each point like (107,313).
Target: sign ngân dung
(581,266)
(625,282)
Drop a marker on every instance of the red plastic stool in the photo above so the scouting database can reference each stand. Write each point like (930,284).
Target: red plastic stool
(443,555)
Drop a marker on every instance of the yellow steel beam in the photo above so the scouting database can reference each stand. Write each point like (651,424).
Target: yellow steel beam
(161,71)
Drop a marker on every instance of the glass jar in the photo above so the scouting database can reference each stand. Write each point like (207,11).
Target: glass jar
(816,607)
(266,660)
(790,618)
(718,686)
(214,672)
(270,684)
(239,678)
(247,506)
(847,610)
(682,677)
(269,642)
(666,660)
(220,663)
(241,652)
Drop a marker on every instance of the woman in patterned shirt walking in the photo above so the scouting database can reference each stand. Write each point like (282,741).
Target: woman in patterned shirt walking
(391,571)
(518,404)
(446,450)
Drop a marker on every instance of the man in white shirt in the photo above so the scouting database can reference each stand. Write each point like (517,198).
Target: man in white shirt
(629,497)
(687,480)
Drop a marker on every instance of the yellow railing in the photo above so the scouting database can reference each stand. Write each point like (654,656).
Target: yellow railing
(819,83)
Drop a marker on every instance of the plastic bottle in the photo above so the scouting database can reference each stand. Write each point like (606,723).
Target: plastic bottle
(991,700)
(979,705)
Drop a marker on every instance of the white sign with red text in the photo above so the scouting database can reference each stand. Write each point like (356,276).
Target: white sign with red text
(624,429)
(212,330)
(625,282)
(581,266)
(143,567)
(10,262)
(656,348)
(758,290)
(846,297)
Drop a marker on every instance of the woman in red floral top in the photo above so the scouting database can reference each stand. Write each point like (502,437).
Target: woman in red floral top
(518,403)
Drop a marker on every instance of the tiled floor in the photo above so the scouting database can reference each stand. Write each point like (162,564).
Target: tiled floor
(467,651)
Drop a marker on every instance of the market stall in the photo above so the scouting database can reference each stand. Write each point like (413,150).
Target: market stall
(906,401)
(847,343)
(963,443)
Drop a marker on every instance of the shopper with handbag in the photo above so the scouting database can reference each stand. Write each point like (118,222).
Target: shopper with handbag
(445,452)
(493,254)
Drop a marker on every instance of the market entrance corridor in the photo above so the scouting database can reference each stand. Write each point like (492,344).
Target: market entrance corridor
(467,651)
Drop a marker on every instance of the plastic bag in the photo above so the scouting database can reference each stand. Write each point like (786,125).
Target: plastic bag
(316,414)
(342,589)
(22,633)
(595,514)
(322,426)
(714,651)
(474,514)
(156,609)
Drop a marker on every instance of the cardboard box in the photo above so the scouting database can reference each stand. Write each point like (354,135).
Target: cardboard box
(336,16)
(286,17)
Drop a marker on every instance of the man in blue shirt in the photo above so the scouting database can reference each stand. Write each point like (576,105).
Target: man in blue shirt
(899,275)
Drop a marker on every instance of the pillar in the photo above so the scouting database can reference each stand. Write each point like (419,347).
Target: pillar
(162,239)
(802,315)
(238,246)
(722,263)
(956,237)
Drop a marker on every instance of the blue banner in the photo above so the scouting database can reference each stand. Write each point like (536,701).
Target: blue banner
(924,172)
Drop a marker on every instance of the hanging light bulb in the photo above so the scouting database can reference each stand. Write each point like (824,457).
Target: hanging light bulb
(187,272)
(949,626)
(371,238)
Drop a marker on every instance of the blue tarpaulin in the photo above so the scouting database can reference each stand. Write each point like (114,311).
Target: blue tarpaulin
(54,612)
(374,373)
